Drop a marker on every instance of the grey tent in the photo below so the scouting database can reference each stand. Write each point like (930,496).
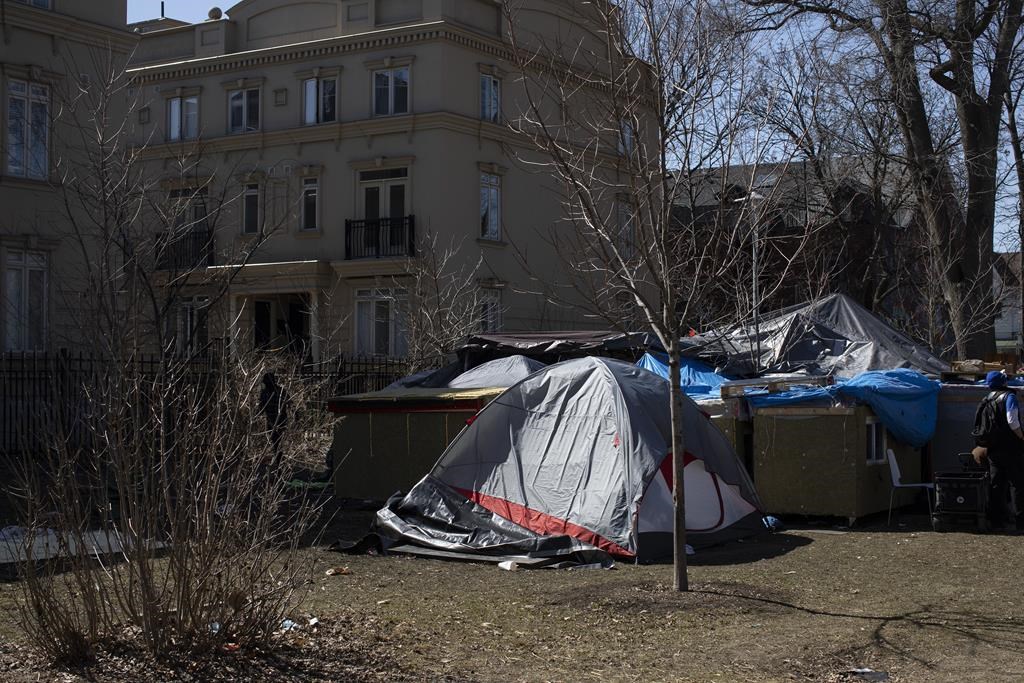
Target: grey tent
(834,335)
(501,372)
(575,457)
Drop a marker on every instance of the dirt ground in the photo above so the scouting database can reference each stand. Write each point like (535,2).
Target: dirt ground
(809,604)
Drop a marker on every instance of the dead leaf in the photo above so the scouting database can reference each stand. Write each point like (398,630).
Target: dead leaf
(338,571)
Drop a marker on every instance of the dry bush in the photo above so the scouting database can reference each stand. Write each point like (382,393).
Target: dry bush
(171,469)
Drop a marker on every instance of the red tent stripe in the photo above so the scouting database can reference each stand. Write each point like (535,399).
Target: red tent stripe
(542,523)
(666,466)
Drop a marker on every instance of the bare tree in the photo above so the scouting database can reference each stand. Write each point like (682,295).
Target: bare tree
(636,117)
(157,443)
(962,50)
(439,304)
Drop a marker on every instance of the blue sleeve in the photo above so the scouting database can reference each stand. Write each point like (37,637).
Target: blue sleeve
(1012,415)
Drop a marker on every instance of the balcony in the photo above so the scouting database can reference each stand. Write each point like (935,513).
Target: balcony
(184,251)
(380,238)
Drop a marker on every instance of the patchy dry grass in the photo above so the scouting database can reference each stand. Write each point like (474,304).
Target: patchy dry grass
(803,605)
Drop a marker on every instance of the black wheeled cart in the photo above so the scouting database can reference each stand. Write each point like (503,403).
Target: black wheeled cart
(961,498)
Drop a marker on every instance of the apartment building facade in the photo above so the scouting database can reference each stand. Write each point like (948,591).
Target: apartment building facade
(352,133)
(46,48)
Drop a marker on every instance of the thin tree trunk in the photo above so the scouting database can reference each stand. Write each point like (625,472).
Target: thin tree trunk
(681,582)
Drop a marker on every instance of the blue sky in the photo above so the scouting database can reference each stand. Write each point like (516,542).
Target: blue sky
(186,10)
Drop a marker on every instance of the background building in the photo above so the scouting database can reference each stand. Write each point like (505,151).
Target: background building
(349,132)
(48,48)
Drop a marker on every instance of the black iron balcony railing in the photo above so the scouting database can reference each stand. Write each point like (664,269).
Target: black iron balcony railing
(185,250)
(380,238)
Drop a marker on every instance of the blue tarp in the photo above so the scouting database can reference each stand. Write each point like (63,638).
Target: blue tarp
(697,379)
(905,401)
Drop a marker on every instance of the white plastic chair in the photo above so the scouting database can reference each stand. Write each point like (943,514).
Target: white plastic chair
(897,483)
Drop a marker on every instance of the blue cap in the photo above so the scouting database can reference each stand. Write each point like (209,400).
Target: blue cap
(995,379)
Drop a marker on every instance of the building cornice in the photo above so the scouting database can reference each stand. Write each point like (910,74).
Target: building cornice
(335,133)
(319,49)
(69,28)
(332,133)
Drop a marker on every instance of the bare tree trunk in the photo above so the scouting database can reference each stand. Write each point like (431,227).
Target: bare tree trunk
(681,581)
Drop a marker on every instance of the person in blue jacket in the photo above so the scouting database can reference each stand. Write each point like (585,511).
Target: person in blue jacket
(1003,437)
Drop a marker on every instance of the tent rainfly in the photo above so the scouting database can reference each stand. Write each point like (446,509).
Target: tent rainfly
(576,458)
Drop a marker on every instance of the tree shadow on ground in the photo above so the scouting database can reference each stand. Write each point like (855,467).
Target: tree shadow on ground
(753,549)
(763,546)
(970,628)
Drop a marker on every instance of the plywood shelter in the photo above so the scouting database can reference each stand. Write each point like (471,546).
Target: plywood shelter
(388,440)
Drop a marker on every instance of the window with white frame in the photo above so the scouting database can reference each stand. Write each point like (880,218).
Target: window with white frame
(490,206)
(490,98)
(319,100)
(28,130)
(379,330)
(490,310)
(310,204)
(183,118)
(391,91)
(251,209)
(244,110)
(191,333)
(875,441)
(25,301)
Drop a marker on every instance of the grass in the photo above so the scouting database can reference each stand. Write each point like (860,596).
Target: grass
(806,604)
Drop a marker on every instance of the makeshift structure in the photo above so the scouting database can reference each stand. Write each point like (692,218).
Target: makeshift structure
(699,380)
(389,439)
(832,336)
(575,457)
(820,450)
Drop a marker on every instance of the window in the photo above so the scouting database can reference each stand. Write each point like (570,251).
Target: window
(391,91)
(183,118)
(379,331)
(490,311)
(319,100)
(627,138)
(28,130)
(875,441)
(41,4)
(25,301)
(191,334)
(310,204)
(490,206)
(251,209)
(244,110)
(188,208)
(490,98)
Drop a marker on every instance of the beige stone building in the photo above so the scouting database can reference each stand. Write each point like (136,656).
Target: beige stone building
(350,130)
(46,46)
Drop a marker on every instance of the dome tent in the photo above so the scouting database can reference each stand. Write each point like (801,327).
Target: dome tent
(501,372)
(576,457)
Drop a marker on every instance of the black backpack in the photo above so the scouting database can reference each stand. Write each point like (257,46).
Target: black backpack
(990,427)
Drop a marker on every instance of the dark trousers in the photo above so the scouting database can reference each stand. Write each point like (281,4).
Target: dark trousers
(1007,470)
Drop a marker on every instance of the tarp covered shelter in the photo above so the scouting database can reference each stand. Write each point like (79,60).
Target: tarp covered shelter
(563,344)
(576,457)
(698,379)
(905,401)
(834,335)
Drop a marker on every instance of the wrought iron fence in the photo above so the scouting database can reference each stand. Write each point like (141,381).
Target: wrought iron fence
(380,238)
(40,393)
(186,250)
